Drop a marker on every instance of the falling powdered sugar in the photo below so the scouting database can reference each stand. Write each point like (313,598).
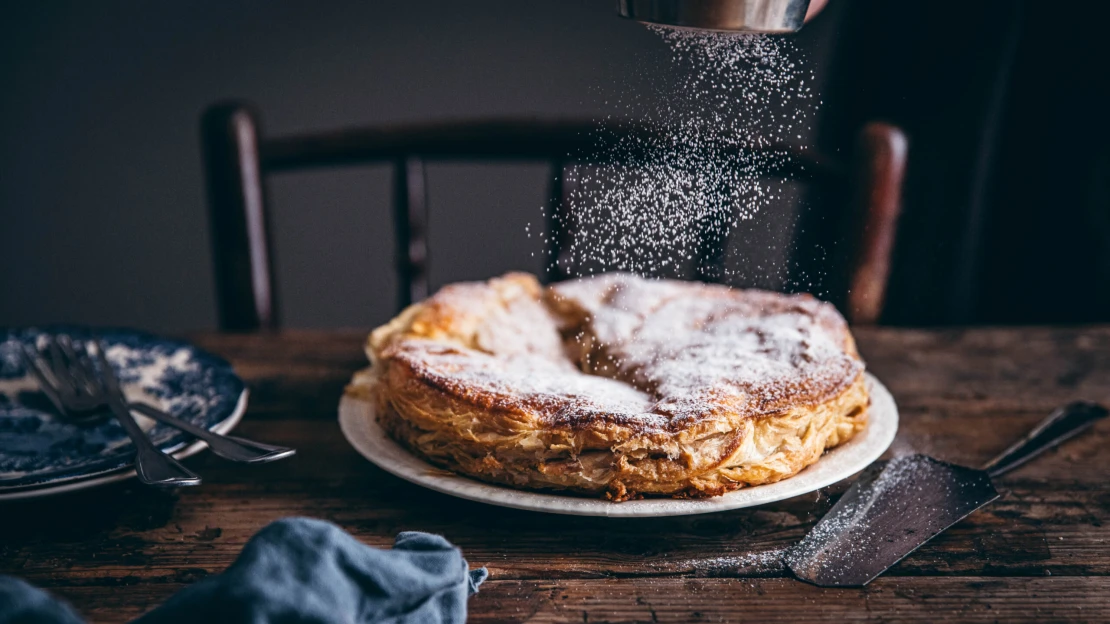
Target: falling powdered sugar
(732,100)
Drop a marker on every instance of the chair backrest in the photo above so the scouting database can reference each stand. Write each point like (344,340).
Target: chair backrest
(238,159)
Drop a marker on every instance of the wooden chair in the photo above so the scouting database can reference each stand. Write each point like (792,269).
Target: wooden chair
(239,158)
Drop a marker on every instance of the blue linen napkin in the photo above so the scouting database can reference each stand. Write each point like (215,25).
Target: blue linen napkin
(21,603)
(302,570)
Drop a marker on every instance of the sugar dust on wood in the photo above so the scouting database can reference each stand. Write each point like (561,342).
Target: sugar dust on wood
(727,101)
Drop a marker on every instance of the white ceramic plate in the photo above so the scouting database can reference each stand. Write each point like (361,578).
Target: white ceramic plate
(359,425)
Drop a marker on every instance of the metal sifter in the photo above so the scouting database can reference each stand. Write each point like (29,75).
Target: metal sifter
(753,16)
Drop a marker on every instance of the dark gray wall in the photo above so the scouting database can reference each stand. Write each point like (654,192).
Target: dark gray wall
(101,189)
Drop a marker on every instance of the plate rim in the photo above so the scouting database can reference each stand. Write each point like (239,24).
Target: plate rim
(120,474)
(419,472)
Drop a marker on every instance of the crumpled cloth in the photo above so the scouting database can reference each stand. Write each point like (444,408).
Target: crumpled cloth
(301,570)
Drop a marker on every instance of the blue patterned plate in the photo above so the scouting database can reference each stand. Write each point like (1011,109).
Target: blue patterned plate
(41,453)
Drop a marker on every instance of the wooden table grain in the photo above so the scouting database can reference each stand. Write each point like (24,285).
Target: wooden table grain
(1041,553)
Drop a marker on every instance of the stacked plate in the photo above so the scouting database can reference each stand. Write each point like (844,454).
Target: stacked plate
(41,453)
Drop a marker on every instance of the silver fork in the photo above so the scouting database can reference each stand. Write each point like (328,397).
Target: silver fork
(74,384)
(233,448)
(230,447)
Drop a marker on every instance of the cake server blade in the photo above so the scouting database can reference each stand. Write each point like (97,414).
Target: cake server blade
(895,507)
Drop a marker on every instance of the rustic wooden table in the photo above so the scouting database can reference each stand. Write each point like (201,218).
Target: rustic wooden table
(1041,553)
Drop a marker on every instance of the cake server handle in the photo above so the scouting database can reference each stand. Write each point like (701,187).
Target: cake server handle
(1061,425)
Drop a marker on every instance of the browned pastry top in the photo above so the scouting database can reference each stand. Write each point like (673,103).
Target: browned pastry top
(644,354)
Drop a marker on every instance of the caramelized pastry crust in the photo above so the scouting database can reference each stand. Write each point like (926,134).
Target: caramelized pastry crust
(616,386)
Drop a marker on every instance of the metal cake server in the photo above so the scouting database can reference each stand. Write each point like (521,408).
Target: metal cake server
(896,506)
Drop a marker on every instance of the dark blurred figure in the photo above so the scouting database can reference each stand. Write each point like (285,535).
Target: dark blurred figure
(1007,202)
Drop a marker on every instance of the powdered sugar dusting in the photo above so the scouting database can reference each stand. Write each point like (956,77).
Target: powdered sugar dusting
(655,353)
(554,389)
(748,563)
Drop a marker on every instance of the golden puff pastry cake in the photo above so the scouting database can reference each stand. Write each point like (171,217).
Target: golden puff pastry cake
(615,385)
